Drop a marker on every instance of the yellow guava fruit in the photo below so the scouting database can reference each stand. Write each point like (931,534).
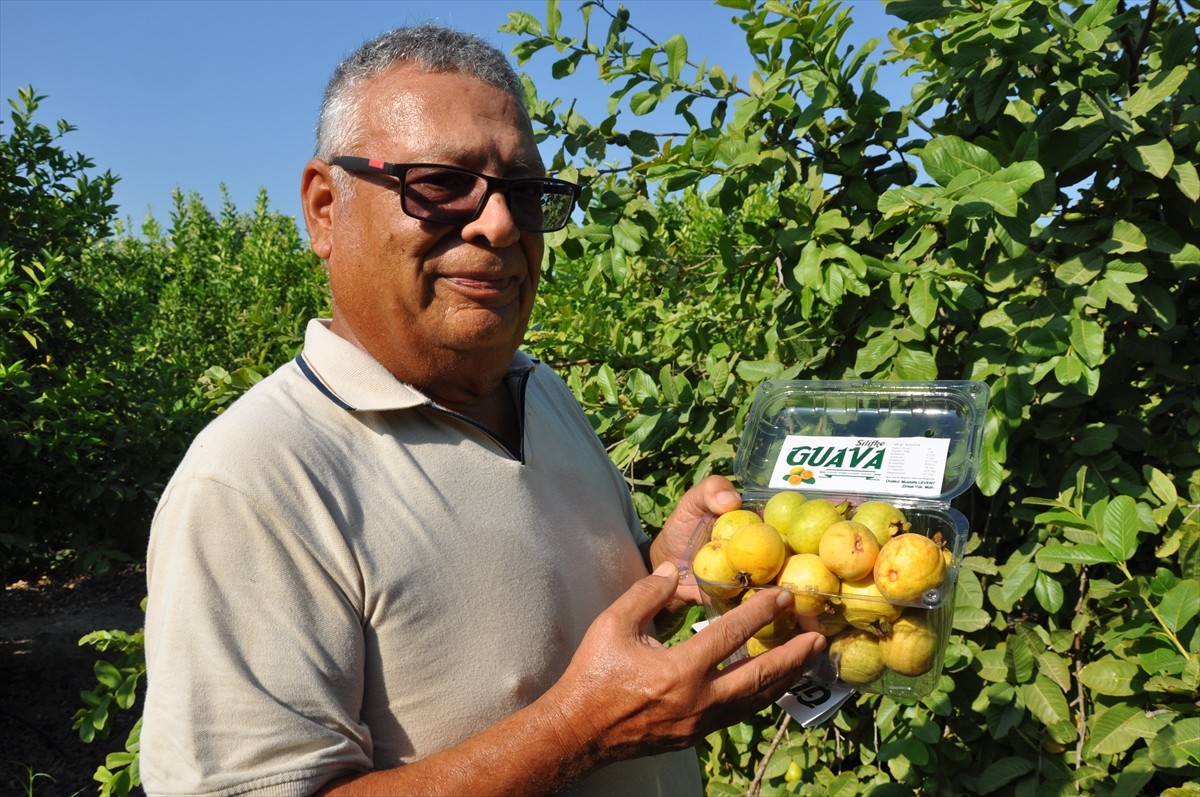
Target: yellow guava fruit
(781,508)
(848,549)
(863,606)
(756,647)
(856,657)
(729,522)
(810,582)
(756,553)
(713,574)
(911,645)
(832,622)
(882,518)
(908,566)
(810,521)
(778,630)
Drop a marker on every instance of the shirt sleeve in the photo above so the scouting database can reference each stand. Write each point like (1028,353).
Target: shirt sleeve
(254,652)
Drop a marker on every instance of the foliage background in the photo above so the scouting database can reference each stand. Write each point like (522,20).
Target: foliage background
(1027,218)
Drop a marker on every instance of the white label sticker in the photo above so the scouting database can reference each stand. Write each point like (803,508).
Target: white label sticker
(911,466)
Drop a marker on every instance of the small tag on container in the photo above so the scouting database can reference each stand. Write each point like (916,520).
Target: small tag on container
(811,703)
(808,702)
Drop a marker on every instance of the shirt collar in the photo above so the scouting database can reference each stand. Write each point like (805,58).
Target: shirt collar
(354,380)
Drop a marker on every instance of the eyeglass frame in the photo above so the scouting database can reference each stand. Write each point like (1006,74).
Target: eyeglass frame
(502,185)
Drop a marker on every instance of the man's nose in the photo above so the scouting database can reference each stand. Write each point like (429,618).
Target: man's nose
(495,223)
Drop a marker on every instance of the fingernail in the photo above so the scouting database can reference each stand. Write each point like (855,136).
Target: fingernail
(819,643)
(665,569)
(784,598)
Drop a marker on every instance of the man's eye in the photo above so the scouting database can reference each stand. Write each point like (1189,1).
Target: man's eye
(444,183)
(531,192)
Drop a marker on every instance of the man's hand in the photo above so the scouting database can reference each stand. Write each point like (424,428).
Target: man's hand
(623,696)
(626,695)
(713,496)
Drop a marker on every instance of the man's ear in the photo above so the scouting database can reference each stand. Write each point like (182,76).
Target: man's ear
(316,200)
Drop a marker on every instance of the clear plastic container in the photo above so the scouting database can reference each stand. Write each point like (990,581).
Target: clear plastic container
(914,445)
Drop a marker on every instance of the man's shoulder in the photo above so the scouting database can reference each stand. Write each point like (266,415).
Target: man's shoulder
(274,399)
(280,413)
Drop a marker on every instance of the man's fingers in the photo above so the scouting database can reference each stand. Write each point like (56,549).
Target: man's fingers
(723,636)
(772,672)
(648,596)
(714,495)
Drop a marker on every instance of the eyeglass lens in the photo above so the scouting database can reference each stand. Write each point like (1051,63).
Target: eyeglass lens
(450,196)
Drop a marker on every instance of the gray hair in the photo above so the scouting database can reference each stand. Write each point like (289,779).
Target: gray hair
(431,47)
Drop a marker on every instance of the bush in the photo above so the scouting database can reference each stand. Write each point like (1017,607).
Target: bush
(118,349)
(1028,219)
(52,409)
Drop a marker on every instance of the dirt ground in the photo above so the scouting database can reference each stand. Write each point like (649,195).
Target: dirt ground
(42,671)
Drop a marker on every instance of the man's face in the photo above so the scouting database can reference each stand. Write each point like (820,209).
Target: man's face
(442,307)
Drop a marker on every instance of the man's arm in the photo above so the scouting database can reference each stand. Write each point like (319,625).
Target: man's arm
(623,696)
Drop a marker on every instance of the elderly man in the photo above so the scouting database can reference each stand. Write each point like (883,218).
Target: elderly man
(403,563)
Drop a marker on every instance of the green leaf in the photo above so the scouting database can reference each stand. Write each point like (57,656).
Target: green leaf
(1075,554)
(1094,439)
(1124,271)
(126,694)
(1019,581)
(1109,676)
(1046,701)
(628,235)
(922,302)
(919,10)
(107,674)
(1021,658)
(1002,772)
(643,103)
(1120,529)
(1049,592)
(1185,176)
(1127,237)
(1055,667)
(1154,92)
(948,157)
(758,370)
(992,665)
(1119,728)
(1087,337)
(970,618)
(643,426)
(606,379)
(875,352)
(1180,605)
(1177,745)
(676,49)
(1020,177)
(1156,157)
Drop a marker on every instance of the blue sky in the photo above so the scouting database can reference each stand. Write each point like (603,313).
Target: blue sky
(192,94)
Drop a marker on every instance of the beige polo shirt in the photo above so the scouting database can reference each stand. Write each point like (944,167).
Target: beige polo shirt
(343,576)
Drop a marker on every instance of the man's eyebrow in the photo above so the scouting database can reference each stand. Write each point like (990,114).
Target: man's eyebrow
(454,155)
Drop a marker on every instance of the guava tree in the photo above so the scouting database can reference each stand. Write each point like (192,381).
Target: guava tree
(1028,218)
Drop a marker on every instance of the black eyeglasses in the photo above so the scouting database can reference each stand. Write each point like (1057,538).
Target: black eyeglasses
(450,195)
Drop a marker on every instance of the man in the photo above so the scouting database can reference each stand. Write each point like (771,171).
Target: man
(403,563)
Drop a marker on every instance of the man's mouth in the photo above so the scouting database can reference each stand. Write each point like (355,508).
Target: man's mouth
(484,288)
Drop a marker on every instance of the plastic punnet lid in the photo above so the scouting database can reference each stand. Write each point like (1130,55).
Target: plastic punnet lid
(869,438)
